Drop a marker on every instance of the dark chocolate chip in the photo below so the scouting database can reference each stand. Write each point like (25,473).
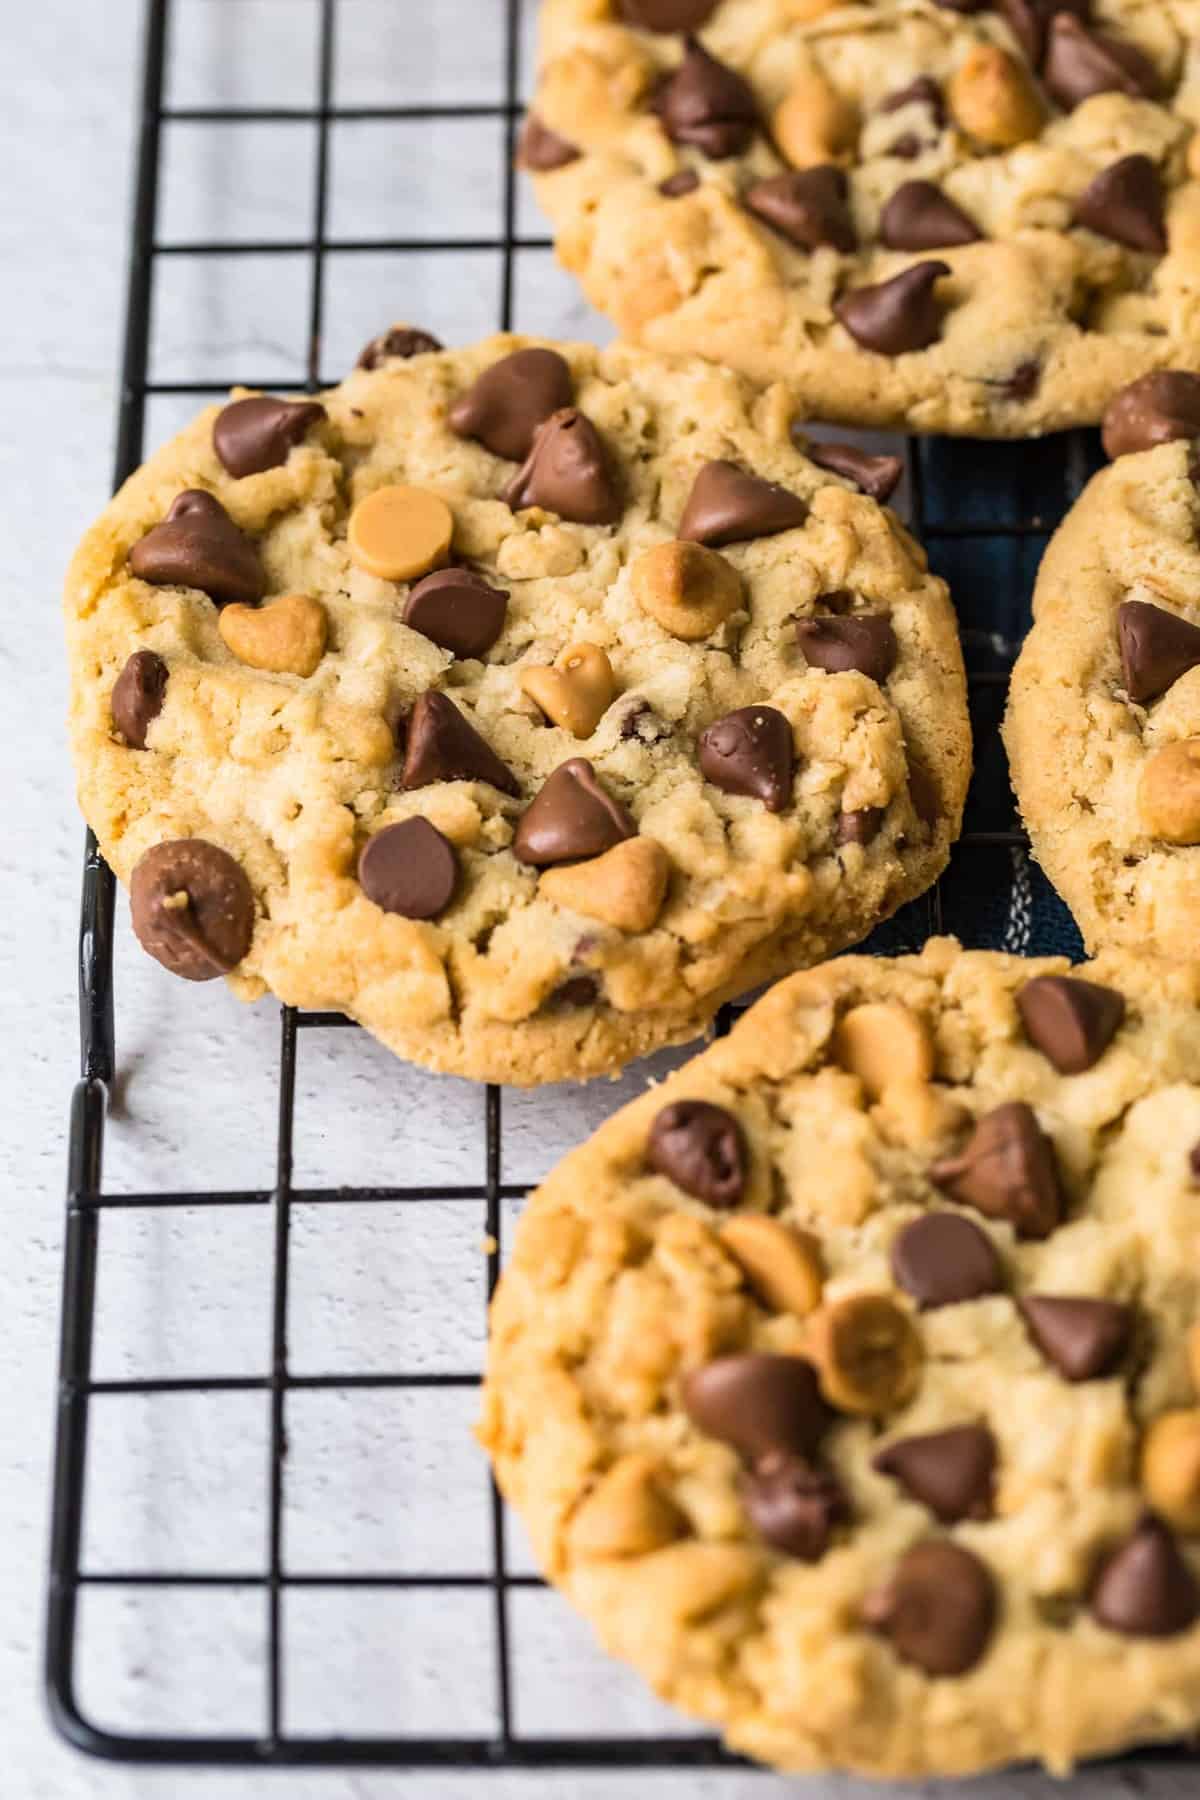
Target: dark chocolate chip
(877,476)
(540,150)
(138,695)
(1194,1161)
(1082,1337)
(1145,1587)
(937,1608)
(895,316)
(920,217)
(763,1405)
(444,746)
(1156,409)
(1125,203)
(1028,20)
(1079,63)
(908,146)
(667,15)
(260,432)
(750,752)
(942,1259)
(1024,381)
(506,406)
(198,545)
(401,342)
(924,91)
(950,1472)
(728,506)
(580,990)
(1007,1171)
(457,609)
(410,869)
(793,1506)
(1156,646)
(707,104)
(861,827)
(700,1148)
(571,819)
(923,792)
(1071,1021)
(684,181)
(192,908)
(809,207)
(569,472)
(862,641)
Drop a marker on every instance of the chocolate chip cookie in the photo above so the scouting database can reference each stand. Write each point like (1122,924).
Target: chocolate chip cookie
(847,1382)
(1103,727)
(949,215)
(523,702)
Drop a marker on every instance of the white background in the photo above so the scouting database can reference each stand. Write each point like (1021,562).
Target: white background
(375,1480)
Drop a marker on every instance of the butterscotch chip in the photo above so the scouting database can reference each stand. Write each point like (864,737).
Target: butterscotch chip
(814,124)
(885,1045)
(1171,1468)
(400,532)
(625,887)
(868,1354)
(626,1513)
(576,692)
(993,100)
(286,636)
(782,1265)
(688,588)
(1169,793)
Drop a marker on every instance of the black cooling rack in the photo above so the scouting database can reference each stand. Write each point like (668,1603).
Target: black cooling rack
(984,511)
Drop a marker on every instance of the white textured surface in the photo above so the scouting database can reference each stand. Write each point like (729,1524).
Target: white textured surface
(375,1480)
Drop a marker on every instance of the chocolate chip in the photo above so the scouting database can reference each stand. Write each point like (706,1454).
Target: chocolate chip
(1028,20)
(1083,1338)
(443,746)
(923,792)
(895,316)
(763,1405)
(1080,63)
(410,869)
(700,1148)
(860,827)
(571,819)
(401,342)
(457,609)
(728,506)
(1157,409)
(937,1609)
(1071,1021)
(580,990)
(1156,646)
(950,1472)
(750,752)
(686,181)
(908,146)
(1145,1587)
(138,695)
(707,104)
(924,91)
(877,476)
(540,150)
(920,217)
(259,432)
(1024,381)
(667,15)
(794,1506)
(568,472)
(862,641)
(809,207)
(1125,203)
(942,1259)
(192,908)
(1194,1161)
(642,723)
(510,401)
(198,545)
(1007,1171)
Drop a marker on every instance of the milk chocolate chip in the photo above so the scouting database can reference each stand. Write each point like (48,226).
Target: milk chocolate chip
(809,207)
(409,868)
(1007,1171)
(198,545)
(505,407)
(793,1506)
(877,476)
(707,104)
(942,1259)
(920,217)
(457,609)
(728,506)
(896,316)
(260,432)
(138,695)
(1125,203)
(1156,409)
(571,819)
(667,15)
(1080,63)
(401,342)
(1145,1588)
(750,752)
(1083,1338)
(761,1404)
(950,1472)
(443,746)
(1156,647)
(938,1608)
(700,1148)
(540,150)
(568,472)
(862,641)
(1072,1022)
(192,908)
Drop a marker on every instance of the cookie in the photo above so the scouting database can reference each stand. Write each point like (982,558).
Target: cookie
(943,216)
(1103,725)
(522,702)
(846,1382)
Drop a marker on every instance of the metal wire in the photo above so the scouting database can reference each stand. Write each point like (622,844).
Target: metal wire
(87,1203)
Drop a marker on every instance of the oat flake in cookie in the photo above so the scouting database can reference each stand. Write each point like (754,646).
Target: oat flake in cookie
(949,215)
(1103,726)
(457,593)
(841,1456)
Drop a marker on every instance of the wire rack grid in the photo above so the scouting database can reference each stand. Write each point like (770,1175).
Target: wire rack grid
(984,511)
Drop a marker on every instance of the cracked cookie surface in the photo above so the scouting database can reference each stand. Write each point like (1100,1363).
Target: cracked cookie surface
(1037,163)
(850,1448)
(580,890)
